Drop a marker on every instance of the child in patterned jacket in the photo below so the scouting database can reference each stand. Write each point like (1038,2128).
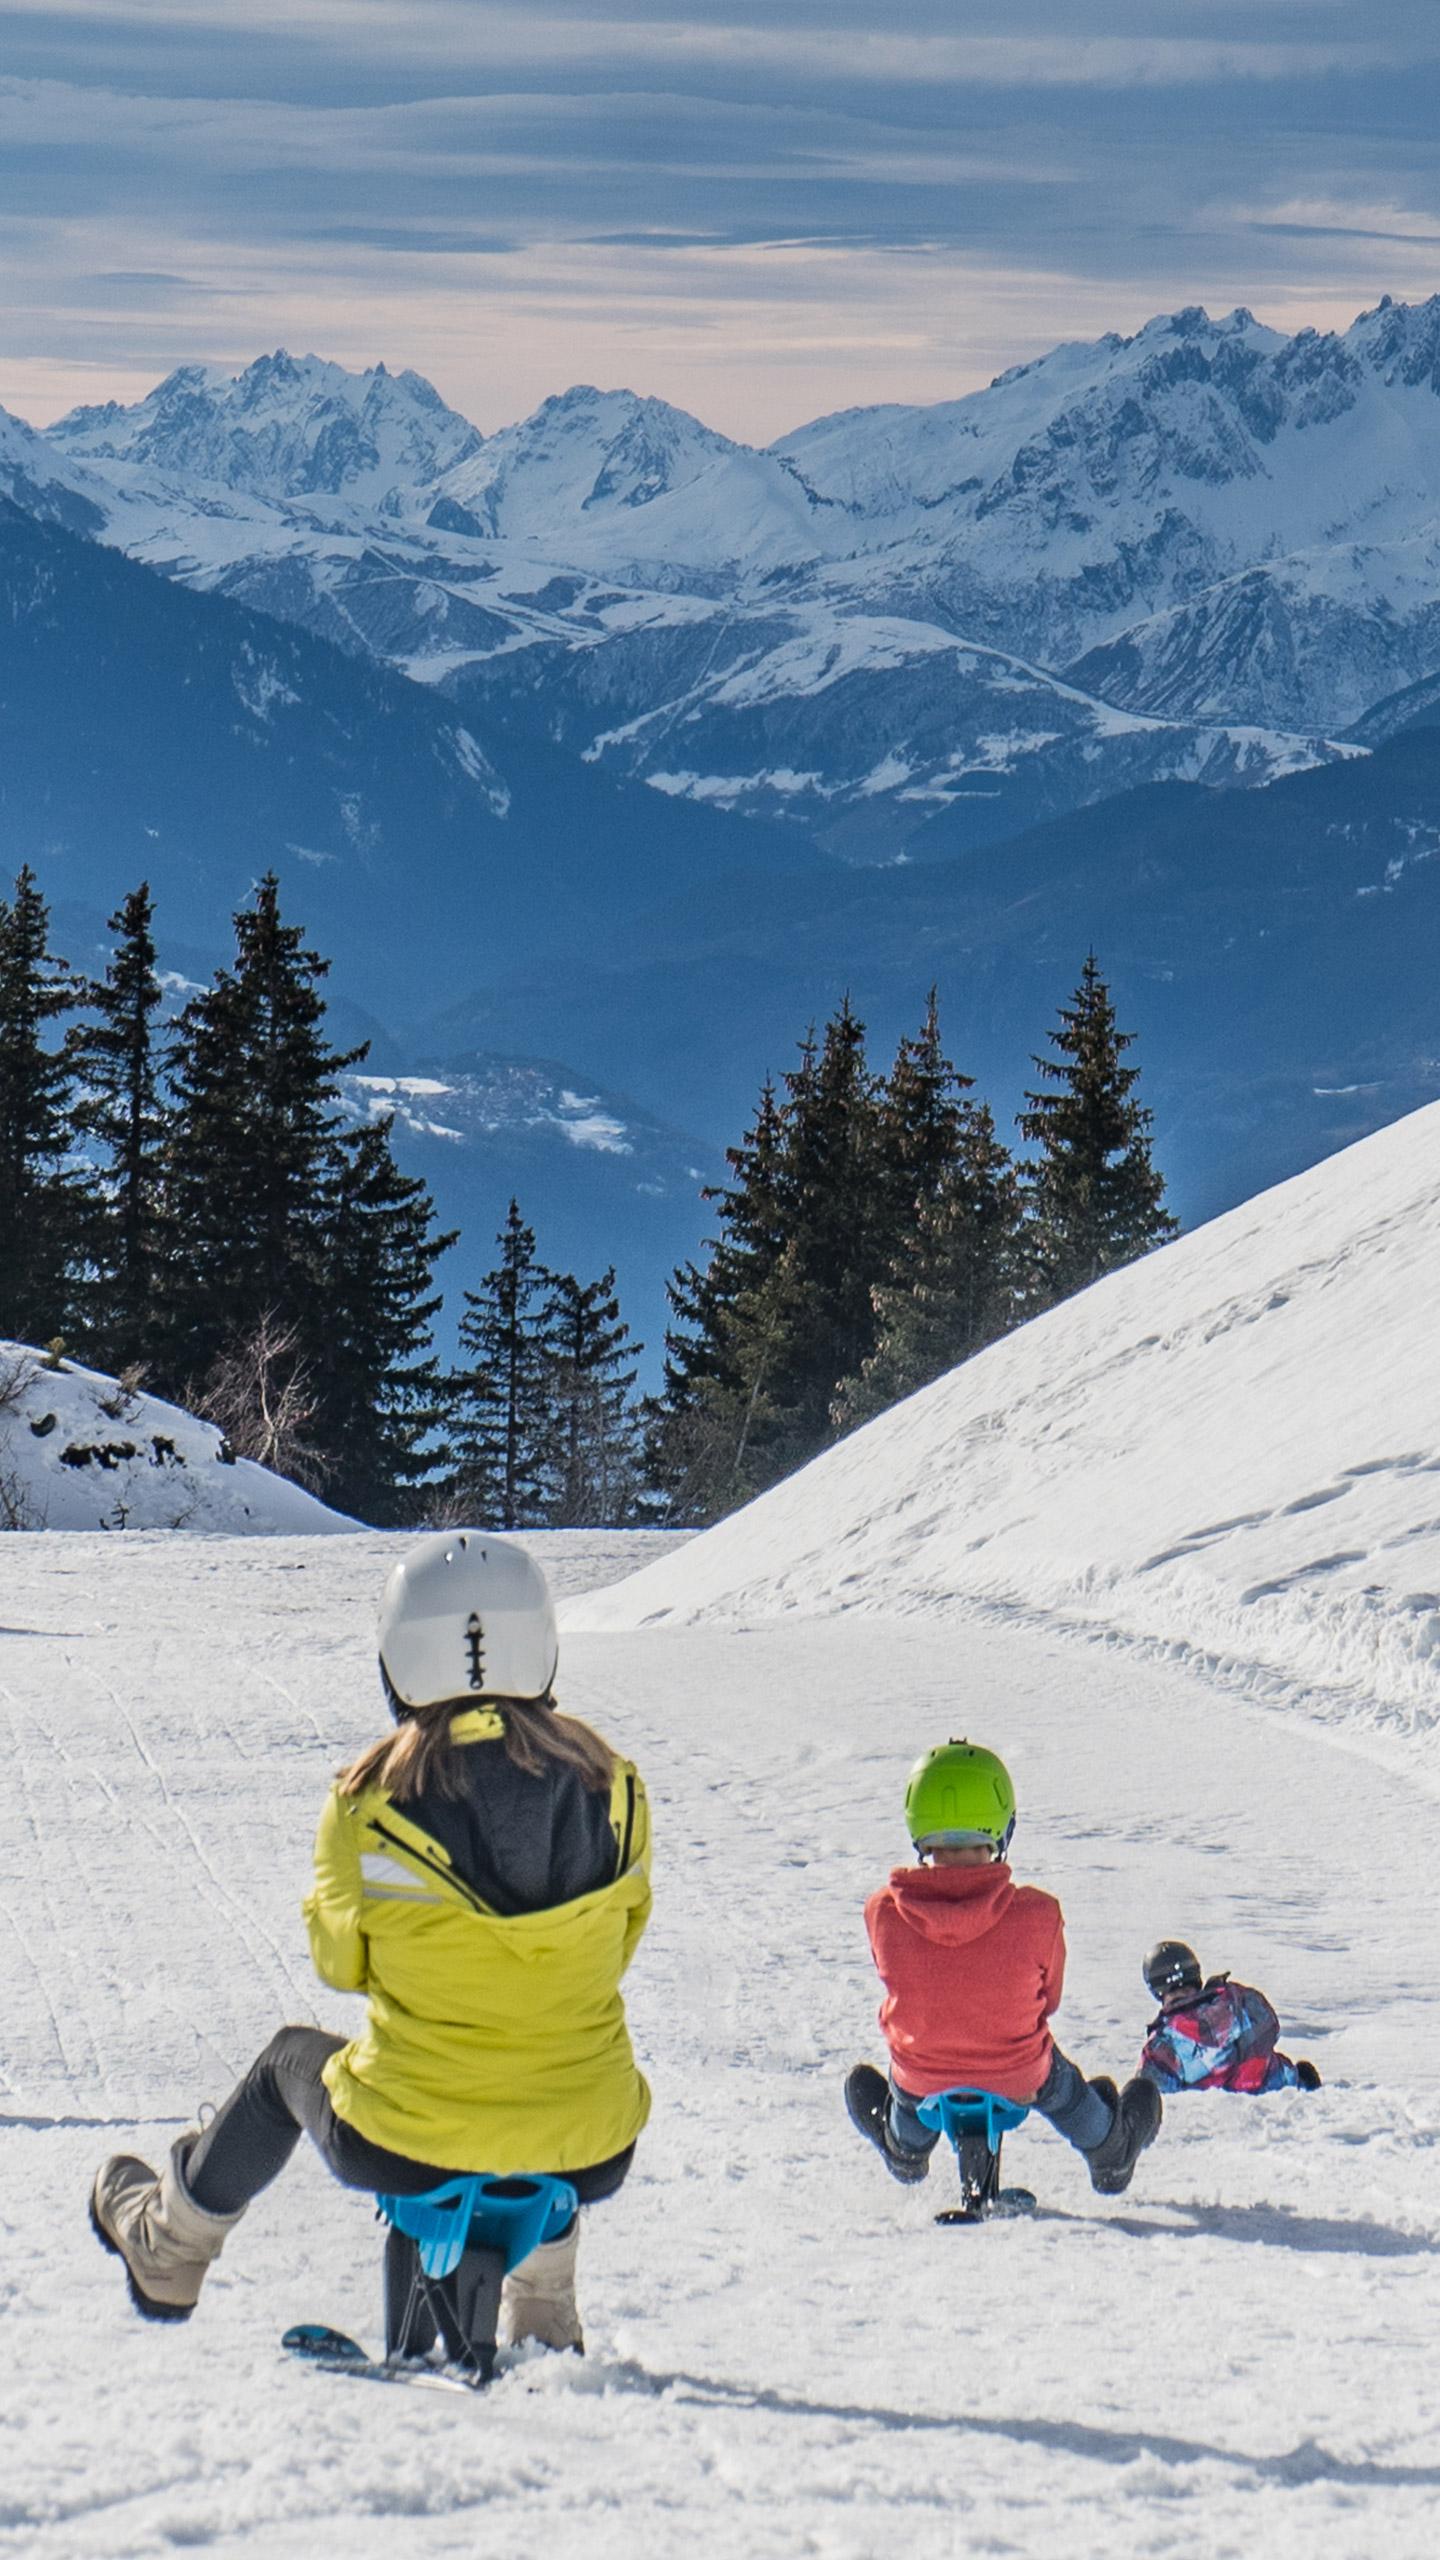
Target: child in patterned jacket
(1212,2035)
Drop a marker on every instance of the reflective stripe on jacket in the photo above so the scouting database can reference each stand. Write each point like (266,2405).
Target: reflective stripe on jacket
(493,2041)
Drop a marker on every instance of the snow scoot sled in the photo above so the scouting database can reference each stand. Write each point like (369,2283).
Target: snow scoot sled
(976,2122)
(447,2254)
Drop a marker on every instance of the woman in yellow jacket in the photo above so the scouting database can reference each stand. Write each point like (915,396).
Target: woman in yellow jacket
(482,1875)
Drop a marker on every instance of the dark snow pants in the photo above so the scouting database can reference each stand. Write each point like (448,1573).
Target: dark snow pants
(282,2096)
(1067,2101)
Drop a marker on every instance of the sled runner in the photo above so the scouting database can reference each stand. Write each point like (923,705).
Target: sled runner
(976,2122)
(447,2254)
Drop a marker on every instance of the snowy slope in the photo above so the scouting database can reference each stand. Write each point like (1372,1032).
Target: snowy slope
(1228,1451)
(784,2355)
(36,479)
(80,1451)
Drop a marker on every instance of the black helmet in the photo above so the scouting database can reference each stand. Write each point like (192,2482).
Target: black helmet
(1171,1967)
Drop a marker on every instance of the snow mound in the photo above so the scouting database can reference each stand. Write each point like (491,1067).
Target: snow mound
(1230,1451)
(79,1450)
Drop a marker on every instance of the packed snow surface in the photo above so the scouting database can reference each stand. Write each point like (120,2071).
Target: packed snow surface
(1230,1450)
(80,1450)
(784,2355)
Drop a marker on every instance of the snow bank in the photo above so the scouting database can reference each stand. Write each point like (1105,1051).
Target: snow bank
(1230,1450)
(80,1451)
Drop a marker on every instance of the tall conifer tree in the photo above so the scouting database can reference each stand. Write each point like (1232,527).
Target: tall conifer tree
(499,1410)
(41,1214)
(1094,1198)
(955,1286)
(376,1380)
(816,1322)
(256,1087)
(921,1123)
(696,1428)
(592,1469)
(285,1223)
(119,1111)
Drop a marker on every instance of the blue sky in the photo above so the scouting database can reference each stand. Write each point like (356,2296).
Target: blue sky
(762,209)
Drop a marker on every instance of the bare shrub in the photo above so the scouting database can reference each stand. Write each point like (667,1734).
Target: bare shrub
(16,1374)
(260,1395)
(122,1404)
(20,1507)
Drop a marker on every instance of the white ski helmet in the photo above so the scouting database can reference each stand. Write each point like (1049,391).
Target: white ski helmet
(467,1615)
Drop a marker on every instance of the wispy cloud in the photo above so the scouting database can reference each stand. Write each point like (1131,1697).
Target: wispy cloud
(758,216)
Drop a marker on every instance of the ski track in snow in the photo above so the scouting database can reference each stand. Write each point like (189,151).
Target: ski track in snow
(785,2355)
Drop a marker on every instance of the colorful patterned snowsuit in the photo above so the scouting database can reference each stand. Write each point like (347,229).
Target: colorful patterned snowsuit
(1221,2038)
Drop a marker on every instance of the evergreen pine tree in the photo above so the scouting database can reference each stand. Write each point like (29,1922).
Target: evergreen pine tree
(119,1112)
(251,1157)
(921,1124)
(813,1322)
(42,1216)
(1094,1199)
(696,1427)
(498,1404)
(955,1286)
(376,1381)
(592,1466)
(297,1255)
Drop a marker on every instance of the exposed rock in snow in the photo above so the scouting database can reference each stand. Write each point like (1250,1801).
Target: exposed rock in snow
(79,1450)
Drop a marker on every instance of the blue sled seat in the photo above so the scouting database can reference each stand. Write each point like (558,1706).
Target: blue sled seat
(976,2122)
(447,2254)
(511,2215)
(965,2115)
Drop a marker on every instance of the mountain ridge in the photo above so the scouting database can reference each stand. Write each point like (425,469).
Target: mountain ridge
(1207,525)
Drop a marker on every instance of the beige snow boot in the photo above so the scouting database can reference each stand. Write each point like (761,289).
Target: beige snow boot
(538,2300)
(154,2225)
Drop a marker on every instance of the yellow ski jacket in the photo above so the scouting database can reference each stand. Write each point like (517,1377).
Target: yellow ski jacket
(493,2042)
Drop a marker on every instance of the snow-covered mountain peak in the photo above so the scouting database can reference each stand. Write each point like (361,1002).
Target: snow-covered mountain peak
(284,427)
(34,480)
(613,477)
(1400,341)
(585,450)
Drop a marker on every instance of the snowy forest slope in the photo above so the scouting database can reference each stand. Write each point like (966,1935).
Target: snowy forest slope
(1230,1448)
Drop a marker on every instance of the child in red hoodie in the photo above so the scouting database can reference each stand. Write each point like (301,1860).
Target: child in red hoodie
(973,1966)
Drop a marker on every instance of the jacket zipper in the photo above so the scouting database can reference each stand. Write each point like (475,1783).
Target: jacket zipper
(446,1874)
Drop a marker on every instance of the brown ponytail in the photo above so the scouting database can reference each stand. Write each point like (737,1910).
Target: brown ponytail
(424,1758)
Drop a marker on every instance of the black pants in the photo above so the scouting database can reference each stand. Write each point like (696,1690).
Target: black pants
(1072,2105)
(282,2096)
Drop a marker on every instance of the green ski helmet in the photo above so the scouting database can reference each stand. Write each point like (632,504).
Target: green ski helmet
(958,1796)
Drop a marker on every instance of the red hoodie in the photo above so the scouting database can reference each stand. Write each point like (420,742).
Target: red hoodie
(973,1965)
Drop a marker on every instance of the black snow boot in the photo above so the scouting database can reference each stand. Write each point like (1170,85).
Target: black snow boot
(867,2101)
(1137,2121)
(1307,2075)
